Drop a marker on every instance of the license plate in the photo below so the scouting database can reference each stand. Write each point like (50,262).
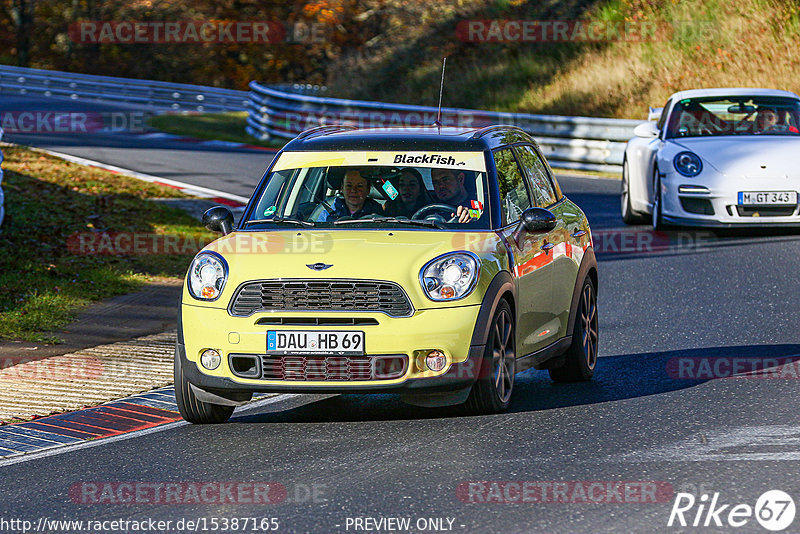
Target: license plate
(767,198)
(314,342)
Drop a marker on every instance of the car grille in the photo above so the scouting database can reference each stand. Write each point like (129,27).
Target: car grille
(321,295)
(332,368)
(765,211)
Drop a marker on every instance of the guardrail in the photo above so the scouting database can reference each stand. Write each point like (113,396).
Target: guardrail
(160,96)
(283,111)
(584,143)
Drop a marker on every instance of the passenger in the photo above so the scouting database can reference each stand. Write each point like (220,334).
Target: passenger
(355,201)
(448,185)
(413,194)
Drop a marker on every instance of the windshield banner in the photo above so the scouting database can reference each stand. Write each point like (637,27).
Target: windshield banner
(471,161)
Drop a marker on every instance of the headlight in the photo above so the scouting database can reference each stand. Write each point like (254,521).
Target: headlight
(207,276)
(450,277)
(688,164)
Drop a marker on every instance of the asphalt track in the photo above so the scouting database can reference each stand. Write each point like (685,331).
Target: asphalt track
(664,299)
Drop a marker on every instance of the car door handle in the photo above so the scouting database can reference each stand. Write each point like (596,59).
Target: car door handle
(547,246)
(579,233)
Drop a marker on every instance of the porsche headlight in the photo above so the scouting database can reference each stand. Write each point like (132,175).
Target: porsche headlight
(207,276)
(688,164)
(450,277)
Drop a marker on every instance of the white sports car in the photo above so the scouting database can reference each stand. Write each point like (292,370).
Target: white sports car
(715,157)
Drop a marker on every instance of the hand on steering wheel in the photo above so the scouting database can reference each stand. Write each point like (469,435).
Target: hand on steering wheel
(423,212)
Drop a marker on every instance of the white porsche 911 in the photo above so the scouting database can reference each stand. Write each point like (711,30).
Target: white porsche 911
(716,157)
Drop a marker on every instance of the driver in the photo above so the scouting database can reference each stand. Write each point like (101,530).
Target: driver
(448,185)
(766,119)
(355,201)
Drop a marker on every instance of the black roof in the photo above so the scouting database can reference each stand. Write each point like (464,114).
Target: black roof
(331,138)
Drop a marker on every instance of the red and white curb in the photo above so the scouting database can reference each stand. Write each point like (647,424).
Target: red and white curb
(126,418)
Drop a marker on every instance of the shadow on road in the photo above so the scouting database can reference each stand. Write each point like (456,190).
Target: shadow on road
(617,378)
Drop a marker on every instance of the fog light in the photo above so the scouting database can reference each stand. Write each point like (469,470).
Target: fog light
(210,359)
(435,360)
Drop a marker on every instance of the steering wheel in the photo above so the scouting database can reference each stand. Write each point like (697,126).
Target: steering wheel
(431,209)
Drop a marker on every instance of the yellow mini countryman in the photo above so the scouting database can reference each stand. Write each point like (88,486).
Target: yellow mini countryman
(435,263)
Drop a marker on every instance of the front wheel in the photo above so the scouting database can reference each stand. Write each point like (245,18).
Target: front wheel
(581,358)
(190,407)
(658,218)
(492,392)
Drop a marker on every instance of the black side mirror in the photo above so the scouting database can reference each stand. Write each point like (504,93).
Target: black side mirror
(538,220)
(219,219)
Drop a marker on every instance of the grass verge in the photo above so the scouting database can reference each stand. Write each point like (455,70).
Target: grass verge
(43,284)
(216,126)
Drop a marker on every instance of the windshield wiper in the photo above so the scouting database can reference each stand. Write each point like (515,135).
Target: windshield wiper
(413,222)
(287,220)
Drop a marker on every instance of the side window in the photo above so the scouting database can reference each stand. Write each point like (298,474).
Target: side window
(541,188)
(514,197)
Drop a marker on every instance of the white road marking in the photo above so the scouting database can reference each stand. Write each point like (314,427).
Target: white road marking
(750,443)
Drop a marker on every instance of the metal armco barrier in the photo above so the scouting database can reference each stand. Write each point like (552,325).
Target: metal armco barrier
(283,111)
(160,96)
(584,143)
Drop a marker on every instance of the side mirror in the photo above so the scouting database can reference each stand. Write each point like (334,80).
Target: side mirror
(646,129)
(219,219)
(538,220)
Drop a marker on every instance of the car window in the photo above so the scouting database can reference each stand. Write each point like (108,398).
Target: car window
(663,118)
(541,188)
(432,193)
(514,197)
(734,115)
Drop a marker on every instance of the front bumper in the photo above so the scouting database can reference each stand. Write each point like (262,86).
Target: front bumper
(449,330)
(723,201)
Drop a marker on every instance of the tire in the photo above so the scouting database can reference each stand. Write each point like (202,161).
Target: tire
(492,392)
(192,409)
(658,218)
(628,215)
(581,358)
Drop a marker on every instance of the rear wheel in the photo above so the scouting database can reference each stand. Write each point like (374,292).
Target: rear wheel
(581,358)
(190,407)
(628,215)
(492,392)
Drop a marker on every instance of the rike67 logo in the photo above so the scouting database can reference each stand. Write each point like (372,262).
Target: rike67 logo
(774,510)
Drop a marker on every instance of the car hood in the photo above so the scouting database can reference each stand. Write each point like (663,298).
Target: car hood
(747,156)
(389,254)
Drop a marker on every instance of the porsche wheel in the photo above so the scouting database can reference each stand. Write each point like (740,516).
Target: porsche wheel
(581,358)
(658,220)
(492,392)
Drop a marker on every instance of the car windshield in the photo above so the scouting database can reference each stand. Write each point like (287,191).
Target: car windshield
(374,189)
(734,115)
